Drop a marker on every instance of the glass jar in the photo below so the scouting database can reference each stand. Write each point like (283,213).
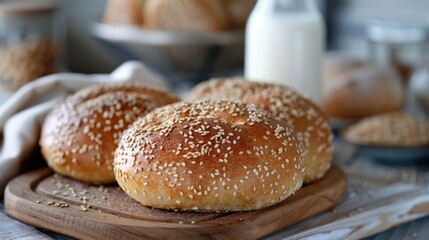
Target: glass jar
(27,47)
(419,90)
(402,45)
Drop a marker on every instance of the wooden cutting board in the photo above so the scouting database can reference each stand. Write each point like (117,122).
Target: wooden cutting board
(52,202)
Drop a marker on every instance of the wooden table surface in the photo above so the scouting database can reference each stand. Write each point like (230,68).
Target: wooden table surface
(345,156)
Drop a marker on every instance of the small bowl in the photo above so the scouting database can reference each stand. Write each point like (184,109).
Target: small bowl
(397,155)
(181,57)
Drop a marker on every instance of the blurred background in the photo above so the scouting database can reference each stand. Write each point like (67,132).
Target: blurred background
(96,36)
(346,22)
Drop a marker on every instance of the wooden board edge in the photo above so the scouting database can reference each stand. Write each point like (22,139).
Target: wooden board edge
(366,224)
(18,206)
(61,220)
(259,224)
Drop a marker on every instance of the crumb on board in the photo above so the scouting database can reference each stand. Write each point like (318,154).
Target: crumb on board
(56,204)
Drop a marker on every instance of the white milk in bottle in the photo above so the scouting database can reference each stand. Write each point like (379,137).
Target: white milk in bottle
(285,43)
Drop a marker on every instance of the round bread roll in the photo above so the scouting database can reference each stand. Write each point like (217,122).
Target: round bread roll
(305,117)
(187,15)
(209,156)
(239,11)
(394,129)
(79,136)
(354,89)
(124,12)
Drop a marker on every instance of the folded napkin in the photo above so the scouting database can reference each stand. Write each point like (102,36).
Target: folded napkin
(22,115)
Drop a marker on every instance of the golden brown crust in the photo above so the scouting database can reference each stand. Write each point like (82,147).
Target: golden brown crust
(188,15)
(158,95)
(80,136)
(209,156)
(394,129)
(124,12)
(306,118)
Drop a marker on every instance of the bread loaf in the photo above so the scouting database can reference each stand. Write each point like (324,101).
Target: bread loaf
(355,89)
(183,15)
(79,136)
(209,156)
(305,117)
(128,12)
(186,15)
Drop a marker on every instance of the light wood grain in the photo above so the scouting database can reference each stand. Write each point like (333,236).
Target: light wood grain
(12,229)
(372,206)
(138,222)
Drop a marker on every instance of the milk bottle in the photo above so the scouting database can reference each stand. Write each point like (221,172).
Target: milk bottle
(285,43)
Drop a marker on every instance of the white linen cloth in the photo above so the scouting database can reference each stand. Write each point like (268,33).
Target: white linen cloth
(22,115)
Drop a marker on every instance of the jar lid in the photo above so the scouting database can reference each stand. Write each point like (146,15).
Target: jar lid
(13,8)
(397,32)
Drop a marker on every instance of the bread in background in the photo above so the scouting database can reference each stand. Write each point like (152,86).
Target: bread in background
(128,12)
(188,15)
(183,15)
(355,88)
(239,11)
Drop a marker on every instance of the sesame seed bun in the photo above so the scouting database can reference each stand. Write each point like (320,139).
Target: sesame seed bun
(80,135)
(304,116)
(209,156)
